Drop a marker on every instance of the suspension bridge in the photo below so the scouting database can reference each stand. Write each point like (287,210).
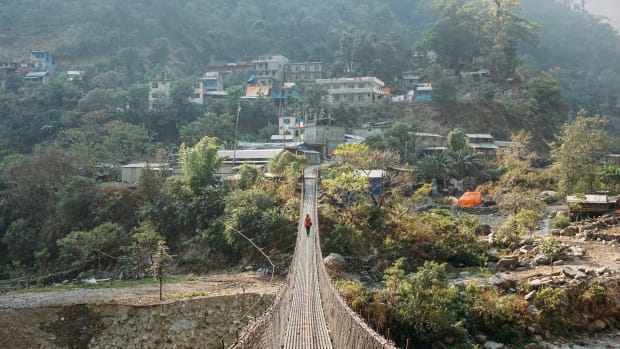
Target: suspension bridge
(307,311)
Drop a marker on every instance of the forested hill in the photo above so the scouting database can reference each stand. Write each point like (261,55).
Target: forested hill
(186,35)
(198,30)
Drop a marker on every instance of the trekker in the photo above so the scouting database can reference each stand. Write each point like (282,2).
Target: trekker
(307,224)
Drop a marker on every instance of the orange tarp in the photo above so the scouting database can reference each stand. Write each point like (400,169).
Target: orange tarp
(470,199)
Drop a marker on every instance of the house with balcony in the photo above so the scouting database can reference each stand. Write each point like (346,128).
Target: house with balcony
(268,69)
(213,85)
(352,91)
(482,142)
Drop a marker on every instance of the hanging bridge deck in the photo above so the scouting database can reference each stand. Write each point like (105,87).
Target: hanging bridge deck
(306,323)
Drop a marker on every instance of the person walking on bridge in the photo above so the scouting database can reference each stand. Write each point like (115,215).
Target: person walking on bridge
(307,224)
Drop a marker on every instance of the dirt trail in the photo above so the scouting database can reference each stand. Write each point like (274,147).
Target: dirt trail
(213,285)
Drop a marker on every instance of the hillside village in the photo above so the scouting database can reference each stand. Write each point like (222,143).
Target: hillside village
(310,132)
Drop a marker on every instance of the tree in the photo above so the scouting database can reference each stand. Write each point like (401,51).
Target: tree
(577,151)
(81,248)
(200,163)
(126,141)
(517,225)
(425,305)
(456,141)
(161,262)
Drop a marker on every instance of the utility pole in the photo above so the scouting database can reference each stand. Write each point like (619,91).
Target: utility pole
(235,138)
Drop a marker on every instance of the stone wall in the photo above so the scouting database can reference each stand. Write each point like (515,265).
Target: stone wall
(191,323)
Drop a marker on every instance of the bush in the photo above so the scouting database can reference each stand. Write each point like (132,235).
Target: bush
(353,293)
(549,298)
(344,240)
(554,248)
(494,314)
(560,222)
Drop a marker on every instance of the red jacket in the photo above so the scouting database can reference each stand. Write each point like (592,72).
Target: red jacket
(307,221)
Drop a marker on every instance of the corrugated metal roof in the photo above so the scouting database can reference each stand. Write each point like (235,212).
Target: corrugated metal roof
(151,165)
(505,144)
(592,199)
(478,135)
(35,74)
(371,173)
(484,145)
(241,155)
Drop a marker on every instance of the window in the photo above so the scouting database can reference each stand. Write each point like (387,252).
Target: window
(154,84)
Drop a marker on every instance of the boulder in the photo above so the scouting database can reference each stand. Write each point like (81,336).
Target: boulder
(531,346)
(597,325)
(503,280)
(335,263)
(530,296)
(507,263)
(542,259)
(575,251)
(574,273)
(492,345)
(569,231)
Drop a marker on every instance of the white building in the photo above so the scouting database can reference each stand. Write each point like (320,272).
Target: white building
(233,159)
(363,90)
(131,173)
(197,92)
(304,72)
(159,91)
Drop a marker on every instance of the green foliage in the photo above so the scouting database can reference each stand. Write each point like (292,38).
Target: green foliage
(560,222)
(200,163)
(597,290)
(494,314)
(425,303)
(161,261)
(455,237)
(354,293)
(549,298)
(344,240)
(514,227)
(554,248)
(576,152)
(255,213)
(144,244)
(77,201)
(81,249)
(456,141)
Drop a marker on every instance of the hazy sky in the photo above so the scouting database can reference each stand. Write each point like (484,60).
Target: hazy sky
(606,8)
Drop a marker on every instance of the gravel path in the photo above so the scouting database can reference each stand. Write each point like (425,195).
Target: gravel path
(214,285)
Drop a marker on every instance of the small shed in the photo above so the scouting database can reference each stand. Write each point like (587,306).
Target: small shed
(590,204)
(131,173)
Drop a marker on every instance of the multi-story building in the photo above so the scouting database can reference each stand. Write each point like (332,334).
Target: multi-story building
(269,68)
(304,72)
(197,92)
(362,90)
(159,91)
(41,65)
(213,82)
(42,61)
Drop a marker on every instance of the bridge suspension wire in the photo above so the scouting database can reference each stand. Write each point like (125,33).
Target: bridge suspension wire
(308,311)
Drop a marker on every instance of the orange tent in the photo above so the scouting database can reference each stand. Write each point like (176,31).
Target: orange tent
(470,199)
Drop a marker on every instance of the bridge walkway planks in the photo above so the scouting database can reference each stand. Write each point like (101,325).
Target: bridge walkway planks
(306,327)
